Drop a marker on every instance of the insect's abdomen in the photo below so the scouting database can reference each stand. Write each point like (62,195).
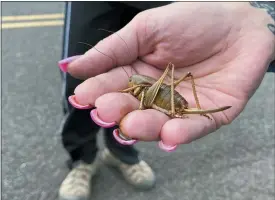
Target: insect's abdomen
(163,99)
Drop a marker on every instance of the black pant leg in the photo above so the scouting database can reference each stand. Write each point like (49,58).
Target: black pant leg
(78,131)
(127,154)
(82,21)
(79,136)
(271,67)
(81,24)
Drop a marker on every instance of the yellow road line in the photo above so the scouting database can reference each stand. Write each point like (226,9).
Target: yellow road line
(33,17)
(32,24)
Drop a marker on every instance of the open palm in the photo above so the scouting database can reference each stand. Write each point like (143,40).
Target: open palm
(226,58)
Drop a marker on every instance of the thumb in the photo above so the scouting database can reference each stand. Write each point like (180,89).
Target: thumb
(118,49)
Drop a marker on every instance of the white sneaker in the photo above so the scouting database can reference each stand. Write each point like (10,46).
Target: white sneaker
(77,184)
(139,175)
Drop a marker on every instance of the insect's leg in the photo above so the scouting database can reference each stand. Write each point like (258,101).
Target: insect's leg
(196,96)
(172,92)
(200,111)
(193,89)
(129,89)
(153,90)
(154,106)
(132,88)
(182,79)
(195,92)
(141,106)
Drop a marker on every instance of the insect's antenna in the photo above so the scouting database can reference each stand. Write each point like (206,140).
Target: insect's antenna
(101,29)
(98,51)
(105,55)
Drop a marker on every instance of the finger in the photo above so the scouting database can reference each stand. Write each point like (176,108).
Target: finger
(112,81)
(123,108)
(118,49)
(112,107)
(144,125)
(182,131)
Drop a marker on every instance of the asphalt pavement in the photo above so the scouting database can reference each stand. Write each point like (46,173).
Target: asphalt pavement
(236,162)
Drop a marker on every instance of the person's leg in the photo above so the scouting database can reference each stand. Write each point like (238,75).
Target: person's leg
(79,121)
(126,154)
(78,130)
(271,67)
(81,25)
(126,159)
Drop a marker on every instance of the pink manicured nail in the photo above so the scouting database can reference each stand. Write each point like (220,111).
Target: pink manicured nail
(167,148)
(75,104)
(122,141)
(63,64)
(99,122)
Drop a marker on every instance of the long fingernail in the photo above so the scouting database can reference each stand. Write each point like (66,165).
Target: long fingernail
(99,122)
(63,64)
(122,141)
(75,104)
(167,148)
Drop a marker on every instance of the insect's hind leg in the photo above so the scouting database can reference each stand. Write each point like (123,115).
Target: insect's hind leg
(193,89)
(173,112)
(177,82)
(196,96)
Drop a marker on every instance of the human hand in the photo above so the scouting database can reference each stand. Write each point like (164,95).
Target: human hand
(225,45)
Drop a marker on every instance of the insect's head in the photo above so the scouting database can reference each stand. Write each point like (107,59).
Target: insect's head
(137,79)
(131,81)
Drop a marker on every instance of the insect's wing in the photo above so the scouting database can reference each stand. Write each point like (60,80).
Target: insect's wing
(153,90)
(151,94)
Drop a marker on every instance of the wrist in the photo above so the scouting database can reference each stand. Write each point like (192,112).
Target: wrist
(258,23)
